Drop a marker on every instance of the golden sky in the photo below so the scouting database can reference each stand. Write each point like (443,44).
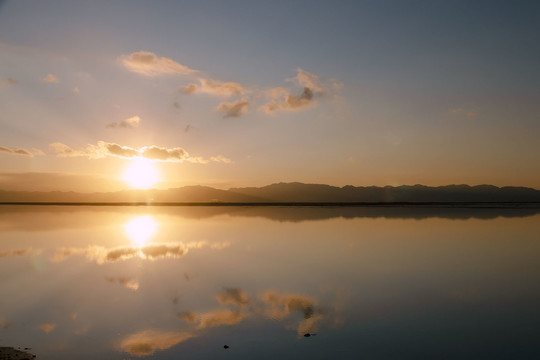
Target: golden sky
(99,97)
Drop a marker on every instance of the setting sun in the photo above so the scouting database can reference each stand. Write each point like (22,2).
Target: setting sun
(141,174)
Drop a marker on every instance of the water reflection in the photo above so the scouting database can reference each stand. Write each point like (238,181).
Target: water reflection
(53,218)
(141,229)
(193,283)
(295,311)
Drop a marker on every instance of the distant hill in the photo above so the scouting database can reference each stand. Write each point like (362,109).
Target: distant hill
(291,193)
(298,192)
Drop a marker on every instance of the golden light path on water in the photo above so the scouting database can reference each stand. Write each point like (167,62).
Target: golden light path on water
(140,229)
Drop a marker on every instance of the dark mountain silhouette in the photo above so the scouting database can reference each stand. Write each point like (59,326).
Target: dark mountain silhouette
(298,192)
(290,193)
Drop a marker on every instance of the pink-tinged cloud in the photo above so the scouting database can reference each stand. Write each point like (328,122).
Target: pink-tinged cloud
(51,79)
(149,64)
(233,109)
(220,317)
(47,328)
(11,82)
(306,79)
(147,342)
(214,87)
(281,306)
(188,316)
(233,296)
(283,100)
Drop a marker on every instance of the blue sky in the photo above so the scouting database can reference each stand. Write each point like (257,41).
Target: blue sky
(400,92)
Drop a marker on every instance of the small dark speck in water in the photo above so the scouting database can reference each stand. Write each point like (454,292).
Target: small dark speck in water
(225,346)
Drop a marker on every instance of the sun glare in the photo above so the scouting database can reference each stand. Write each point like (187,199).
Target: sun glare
(140,229)
(141,174)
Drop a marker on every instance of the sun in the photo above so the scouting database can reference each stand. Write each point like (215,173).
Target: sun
(141,174)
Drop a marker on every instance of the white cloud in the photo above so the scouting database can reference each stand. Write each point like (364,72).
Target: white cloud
(149,64)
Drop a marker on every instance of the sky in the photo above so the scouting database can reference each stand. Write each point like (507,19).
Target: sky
(249,93)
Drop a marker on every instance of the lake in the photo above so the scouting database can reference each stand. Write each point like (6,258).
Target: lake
(112,282)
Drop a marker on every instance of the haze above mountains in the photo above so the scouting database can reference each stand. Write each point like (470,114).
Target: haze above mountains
(290,193)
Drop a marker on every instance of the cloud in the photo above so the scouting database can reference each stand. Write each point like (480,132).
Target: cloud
(151,252)
(10,82)
(220,317)
(146,342)
(47,328)
(7,324)
(220,246)
(153,152)
(62,150)
(214,87)
(189,89)
(51,79)
(188,316)
(116,254)
(291,102)
(233,296)
(129,123)
(282,305)
(19,151)
(149,64)
(61,254)
(161,251)
(306,79)
(233,109)
(12,253)
(124,281)
(463,112)
(283,100)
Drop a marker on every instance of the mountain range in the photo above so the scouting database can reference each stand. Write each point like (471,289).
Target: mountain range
(289,193)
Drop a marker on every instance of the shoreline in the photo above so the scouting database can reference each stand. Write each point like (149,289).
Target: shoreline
(465,205)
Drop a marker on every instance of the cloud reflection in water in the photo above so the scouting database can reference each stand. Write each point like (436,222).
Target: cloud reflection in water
(146,342)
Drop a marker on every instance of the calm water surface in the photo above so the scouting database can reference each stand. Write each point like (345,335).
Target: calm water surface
(182,282)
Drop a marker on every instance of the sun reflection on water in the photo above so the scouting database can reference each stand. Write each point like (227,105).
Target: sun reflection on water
(141,229)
